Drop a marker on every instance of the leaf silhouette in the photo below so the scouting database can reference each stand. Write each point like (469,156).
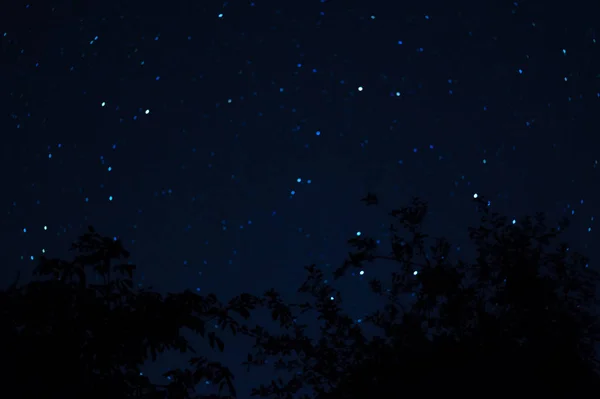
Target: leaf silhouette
(522,314)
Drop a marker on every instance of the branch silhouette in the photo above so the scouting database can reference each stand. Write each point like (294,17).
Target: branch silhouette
(82,330)
(519,317)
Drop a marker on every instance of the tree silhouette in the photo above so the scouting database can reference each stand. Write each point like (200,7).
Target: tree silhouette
(520,318)
(66,335)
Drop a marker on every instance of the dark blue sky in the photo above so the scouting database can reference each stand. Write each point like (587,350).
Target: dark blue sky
(228,143)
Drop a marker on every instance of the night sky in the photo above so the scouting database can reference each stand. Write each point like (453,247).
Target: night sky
(228,144)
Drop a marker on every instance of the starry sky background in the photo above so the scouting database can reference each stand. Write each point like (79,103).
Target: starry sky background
(228,143)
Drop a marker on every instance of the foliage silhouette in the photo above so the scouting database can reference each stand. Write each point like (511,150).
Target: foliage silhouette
(520,317)
(66,335)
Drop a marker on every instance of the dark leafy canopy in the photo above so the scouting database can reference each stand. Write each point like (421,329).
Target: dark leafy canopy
(521,316)
(82,330)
